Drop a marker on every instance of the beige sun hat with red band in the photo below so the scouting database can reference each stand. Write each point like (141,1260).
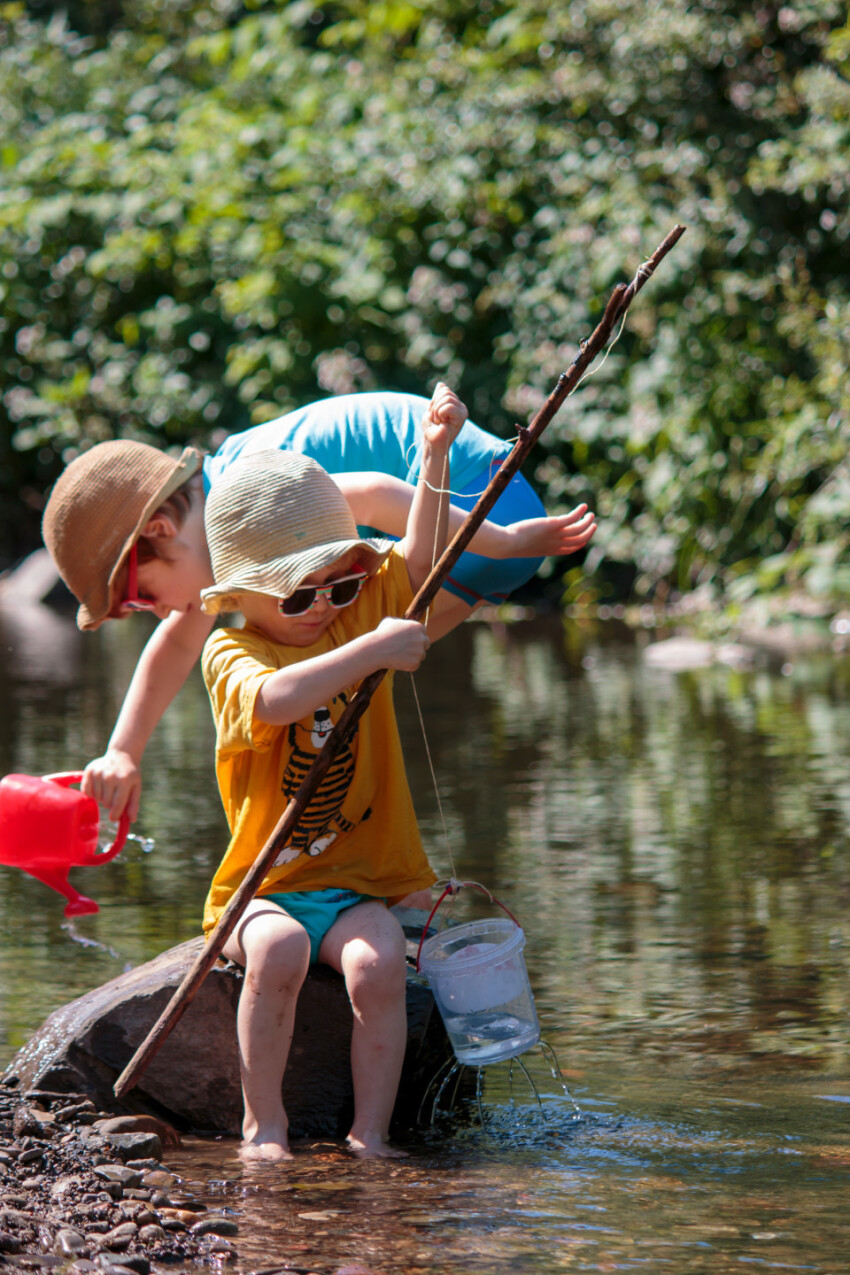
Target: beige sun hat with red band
(272,519)
(97,510)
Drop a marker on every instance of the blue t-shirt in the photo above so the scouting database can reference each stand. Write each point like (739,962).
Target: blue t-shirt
(352,433)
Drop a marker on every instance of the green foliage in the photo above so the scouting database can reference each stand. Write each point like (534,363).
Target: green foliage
(213,212)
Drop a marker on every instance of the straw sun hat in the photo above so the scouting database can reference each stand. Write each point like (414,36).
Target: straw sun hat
(272,519)
(97,510)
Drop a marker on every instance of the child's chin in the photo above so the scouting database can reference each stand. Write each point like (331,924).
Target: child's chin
(305,634)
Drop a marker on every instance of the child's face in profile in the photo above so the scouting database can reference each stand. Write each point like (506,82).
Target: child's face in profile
(174,583)
(173,580)
(262,611)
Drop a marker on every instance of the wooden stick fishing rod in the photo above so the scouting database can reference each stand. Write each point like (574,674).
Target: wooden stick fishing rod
(618,303)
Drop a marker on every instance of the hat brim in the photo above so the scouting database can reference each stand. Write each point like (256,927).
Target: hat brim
(188,464)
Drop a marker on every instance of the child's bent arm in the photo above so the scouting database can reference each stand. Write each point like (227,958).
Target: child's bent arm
(377,500)
(174,647)
(380,501)
(293,692)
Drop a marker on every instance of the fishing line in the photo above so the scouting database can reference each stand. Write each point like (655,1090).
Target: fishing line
(643,272)
(493,467)
(441,493)
(446,839)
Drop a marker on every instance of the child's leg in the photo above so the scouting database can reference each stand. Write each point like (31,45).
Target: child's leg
(421,899)
(366,945)
(275,951)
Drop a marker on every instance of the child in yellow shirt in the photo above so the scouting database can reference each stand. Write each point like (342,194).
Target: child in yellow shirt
(322,607)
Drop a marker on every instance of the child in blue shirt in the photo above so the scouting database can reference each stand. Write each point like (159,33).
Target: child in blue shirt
(125,526)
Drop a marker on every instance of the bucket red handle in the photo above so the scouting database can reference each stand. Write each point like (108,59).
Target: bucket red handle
(452,888)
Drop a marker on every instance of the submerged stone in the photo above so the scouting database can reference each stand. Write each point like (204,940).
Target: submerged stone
(135,1146)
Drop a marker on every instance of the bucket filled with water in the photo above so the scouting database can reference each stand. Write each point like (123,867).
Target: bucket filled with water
(478,976)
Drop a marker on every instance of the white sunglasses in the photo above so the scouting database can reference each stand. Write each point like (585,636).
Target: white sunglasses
(339,593)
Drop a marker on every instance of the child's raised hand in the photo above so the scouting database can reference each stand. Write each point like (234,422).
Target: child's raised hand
(115,781)
(442,421)
(552,536)
(401,644)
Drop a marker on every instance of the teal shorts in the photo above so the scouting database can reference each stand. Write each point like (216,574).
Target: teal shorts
(317,910)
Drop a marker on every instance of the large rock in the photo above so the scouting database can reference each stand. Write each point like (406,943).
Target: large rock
(193,1081)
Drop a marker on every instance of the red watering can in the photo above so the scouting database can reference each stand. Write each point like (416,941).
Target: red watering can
(47,828)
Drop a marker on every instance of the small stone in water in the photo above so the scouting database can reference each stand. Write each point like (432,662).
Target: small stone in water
(120,1237)
(9,1243)
(136,1262)
(182,1214)
(119,1173)
(69,1243)
(158,1178)
(219,1249)
(152,1234)
(215,1226)
(183,1200)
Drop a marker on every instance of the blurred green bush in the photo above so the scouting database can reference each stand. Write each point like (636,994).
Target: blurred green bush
(213,211)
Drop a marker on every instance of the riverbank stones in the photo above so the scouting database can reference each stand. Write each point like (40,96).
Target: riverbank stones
(94,1206)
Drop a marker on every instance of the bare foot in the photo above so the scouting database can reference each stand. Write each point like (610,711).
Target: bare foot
(253,1151)
(374,1149)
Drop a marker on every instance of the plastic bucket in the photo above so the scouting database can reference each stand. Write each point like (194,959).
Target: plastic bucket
(478,976)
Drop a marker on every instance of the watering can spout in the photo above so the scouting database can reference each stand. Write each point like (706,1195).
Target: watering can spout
(47,827)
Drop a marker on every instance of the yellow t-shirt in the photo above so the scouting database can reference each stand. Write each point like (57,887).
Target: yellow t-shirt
(359,831)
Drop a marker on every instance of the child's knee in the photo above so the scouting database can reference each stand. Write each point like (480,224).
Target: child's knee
(282,954)
(376,966)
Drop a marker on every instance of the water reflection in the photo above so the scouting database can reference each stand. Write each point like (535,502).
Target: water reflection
(677,849)
(39,643)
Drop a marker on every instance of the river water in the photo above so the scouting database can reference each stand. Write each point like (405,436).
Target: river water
(677,848)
